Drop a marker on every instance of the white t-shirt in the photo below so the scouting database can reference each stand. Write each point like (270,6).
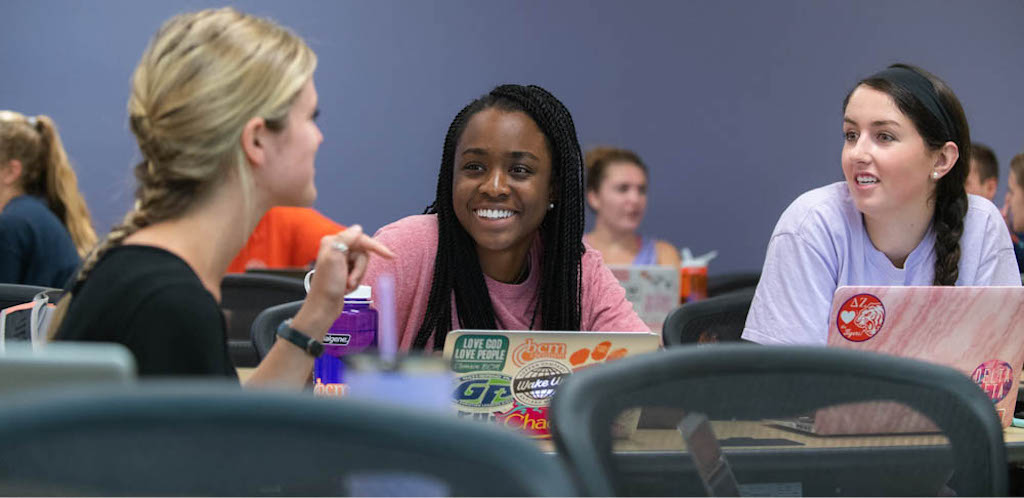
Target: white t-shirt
(820,244)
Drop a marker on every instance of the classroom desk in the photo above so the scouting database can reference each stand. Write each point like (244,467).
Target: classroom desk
(652,459)
(761,454)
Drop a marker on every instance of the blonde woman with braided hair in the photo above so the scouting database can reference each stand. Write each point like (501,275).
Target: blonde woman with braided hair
(44,223)
(223,106)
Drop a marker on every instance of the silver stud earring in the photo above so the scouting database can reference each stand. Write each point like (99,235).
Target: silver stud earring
(551,206)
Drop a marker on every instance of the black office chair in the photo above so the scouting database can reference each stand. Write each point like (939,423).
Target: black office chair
(200,439)
(738,386)
(245,295)
(724,283)
(12,294)
(264,327)
(715,319)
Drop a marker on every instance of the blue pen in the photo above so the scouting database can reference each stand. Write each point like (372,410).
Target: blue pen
(1017,422)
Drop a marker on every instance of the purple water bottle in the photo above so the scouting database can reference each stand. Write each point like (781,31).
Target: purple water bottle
(354,331)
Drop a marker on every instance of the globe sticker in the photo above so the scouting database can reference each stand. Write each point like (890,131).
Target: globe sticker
(996,378)
(860,317)
(536,383)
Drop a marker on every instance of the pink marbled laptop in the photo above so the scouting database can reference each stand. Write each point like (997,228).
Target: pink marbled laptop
(976,330)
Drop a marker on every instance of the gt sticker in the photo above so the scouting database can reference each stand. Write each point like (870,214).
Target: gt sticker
(996,378)
(473,353)
(860,317)
(535,384)
(483,392)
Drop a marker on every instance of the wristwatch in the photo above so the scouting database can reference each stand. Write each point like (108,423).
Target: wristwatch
(303,341)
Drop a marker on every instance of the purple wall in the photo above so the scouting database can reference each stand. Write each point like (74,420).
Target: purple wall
(734,105)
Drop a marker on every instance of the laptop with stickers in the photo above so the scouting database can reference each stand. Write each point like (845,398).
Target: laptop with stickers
(976,330)
(509,377)
(653,290)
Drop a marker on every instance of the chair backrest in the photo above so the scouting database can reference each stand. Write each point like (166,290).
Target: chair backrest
(24,367)
(198,438)
(245,295)
(714,319)
(738,384)
(724,283)
(12,294)
(264,327)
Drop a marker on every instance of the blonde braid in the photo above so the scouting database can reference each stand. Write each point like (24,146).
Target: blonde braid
(203,76)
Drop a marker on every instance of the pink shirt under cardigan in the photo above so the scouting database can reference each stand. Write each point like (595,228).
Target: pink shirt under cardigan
(414,242)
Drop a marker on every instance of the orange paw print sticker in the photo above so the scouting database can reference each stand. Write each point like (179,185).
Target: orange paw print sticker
(603,352)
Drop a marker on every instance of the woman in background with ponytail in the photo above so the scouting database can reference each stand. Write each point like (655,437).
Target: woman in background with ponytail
(44,224)
(224,108)
(901,217)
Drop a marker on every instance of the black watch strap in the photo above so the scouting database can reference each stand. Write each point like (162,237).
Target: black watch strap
(303,341)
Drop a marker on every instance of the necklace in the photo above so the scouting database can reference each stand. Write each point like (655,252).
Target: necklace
(524,273)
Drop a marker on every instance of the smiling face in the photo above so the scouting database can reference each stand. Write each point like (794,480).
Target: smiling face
(501,181)
(886,163)
(291,152)
(621,199)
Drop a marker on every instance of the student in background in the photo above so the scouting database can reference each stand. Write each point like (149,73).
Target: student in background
(44,223)
(502,245)
(617,194)
(983,179)
(223,107)
(286,237)
(1013,207)
(901,217)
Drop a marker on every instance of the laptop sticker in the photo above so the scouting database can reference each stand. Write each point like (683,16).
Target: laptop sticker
(483,392)
(535,384)
(480,352)
(996,378)
(860,317)
(531,420)
(531,350)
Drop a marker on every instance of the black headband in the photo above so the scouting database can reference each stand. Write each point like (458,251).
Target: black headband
(923,90)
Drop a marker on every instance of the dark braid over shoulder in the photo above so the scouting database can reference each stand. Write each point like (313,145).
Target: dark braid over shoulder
(457,267)
(948,222)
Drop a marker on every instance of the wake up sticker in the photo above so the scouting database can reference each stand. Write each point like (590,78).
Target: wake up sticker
(996,378)
(860,317)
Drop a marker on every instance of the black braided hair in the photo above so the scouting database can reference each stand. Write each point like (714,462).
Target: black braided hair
(950,196)
(457,266)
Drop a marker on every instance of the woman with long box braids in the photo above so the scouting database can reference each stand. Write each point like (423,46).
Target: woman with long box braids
(501,246)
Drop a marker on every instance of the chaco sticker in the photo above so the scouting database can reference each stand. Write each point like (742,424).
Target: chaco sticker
(535,384)
(473,353)
(860,317)
(996,378)
(483,392)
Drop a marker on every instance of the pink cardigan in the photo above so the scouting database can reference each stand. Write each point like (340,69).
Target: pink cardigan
(414,241)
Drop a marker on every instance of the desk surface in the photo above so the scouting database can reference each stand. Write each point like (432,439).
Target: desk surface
(740,435)
(747,435)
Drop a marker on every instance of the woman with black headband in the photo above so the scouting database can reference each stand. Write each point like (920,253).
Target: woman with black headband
(901,217)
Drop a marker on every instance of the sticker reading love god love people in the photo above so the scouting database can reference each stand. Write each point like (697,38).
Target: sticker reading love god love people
(479,352)
(860,317)
(995,377)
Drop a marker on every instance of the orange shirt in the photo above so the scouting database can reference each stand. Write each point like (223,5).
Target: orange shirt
(286,237)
